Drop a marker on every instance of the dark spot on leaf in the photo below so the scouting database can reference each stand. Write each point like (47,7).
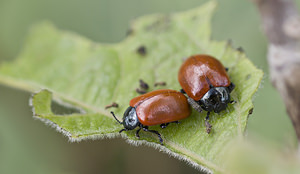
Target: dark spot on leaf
(143,84)
(248,77)
(250,111)
(61,109)
(140,91)
(142,50)
(240,49)
(113,105)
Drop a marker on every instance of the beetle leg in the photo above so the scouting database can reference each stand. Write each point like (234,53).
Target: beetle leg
(177,122)
(155,132)
(137,133)
(231,87)
(208,126)
(182,91)
(122,130)
(232,101)
(164,125)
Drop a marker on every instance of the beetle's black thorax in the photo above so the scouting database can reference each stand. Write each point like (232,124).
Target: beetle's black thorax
(216,99)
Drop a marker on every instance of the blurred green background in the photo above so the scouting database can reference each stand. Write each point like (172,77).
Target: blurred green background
(28,146)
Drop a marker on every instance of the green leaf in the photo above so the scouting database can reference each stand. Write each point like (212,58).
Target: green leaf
(84,76)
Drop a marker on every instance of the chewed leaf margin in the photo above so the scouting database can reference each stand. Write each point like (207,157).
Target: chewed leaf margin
(41,108)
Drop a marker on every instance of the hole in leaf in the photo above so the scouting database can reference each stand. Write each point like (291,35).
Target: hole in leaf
(59,108)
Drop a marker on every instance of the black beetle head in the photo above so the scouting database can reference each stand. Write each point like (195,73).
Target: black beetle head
(130,119)
(216,99)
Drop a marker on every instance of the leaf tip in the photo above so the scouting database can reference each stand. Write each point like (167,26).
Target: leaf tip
(40,102)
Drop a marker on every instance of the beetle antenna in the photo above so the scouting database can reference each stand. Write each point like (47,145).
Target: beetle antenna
(112,113)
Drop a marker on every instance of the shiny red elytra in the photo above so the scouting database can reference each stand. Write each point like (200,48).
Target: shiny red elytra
(159,107)
(206,82)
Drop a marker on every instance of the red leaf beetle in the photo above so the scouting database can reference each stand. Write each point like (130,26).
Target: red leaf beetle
(204,79)
(157,107)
